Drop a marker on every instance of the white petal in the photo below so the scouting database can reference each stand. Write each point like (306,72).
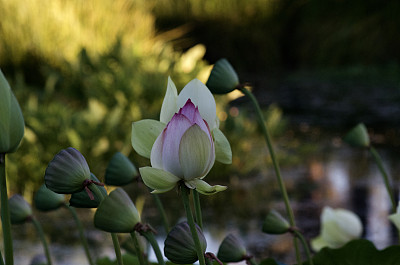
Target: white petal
(158,179)
(202,98)
(144,133)
(205,188)
(156,152)
(223,152)
(169,106)
(194,152)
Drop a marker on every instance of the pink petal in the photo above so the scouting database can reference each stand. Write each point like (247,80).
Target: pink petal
(192,113)
(156,151)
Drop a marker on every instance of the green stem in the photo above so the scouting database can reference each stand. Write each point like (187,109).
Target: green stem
(81,233)
(275,163)
(5,213)
(385,176)
(139,252)
(252,261)
(160,208)
(42,238)
(93,187)
(305,246)
(197,207)
(185,197)
(153,242)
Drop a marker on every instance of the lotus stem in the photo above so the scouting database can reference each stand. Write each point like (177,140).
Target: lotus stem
(137,248)
(5,213)
(305,245)
(42,238)
(275,163)
(81,233)
(160,208)
(197,207)
(153,242)
(185,197)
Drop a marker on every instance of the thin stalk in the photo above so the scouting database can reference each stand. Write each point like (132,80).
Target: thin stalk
(305,246)
(93,187)
(81,233)
(385,176)
(42,238)
(275,163)
(153,242)
(185,198)
(160,208)
(197,207)
(137,248)
(5,213)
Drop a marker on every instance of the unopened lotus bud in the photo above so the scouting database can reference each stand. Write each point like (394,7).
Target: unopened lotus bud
(179,246)
(82,200)
(223,78)
(232,249)
(116,213)
(11,119)
(67,172)
(20,210)
(47,200)
(358,136)
(120,171)
(275,224)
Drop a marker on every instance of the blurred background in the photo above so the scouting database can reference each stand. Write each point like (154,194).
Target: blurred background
(82,71)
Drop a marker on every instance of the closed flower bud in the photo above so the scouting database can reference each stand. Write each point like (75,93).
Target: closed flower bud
(116,213)
(358,136)
(231,249)
(179,246)
(11,119)
(82,200)
(20,210)
(67,172)
(275,224)
(47,200)
(223,78)
(120,171)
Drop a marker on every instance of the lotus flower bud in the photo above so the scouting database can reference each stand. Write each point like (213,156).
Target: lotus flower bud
(116,213)
(47,200)
(232,249)
(67,172)
(11,119)
(20,210)
(358,136)
(179,246)
(223,78)
(82,200)
(338,226)
(120,171)
(275,224)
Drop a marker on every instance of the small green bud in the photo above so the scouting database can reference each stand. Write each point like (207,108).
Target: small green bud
(358,136)
(275,224)
(82,200)
(11,119)
(231,249)
(116,213)
(223,78)
(120,171)
(20,210)
(67,172)
(179,246)
(47,200)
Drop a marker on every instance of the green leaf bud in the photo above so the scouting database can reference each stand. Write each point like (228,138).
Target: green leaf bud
(358,136)
(20,210)
(179,246)
(120,171)
(223,78)
(47,200)
(67,172)
(82,200)
(11,119)
(116,213)
(275,224)
(231,249)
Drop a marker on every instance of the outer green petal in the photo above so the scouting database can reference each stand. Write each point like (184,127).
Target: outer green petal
(205,188)
(395,218)
(318,243)
(158,179)
(144,134)
(169,107)
(223,151)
